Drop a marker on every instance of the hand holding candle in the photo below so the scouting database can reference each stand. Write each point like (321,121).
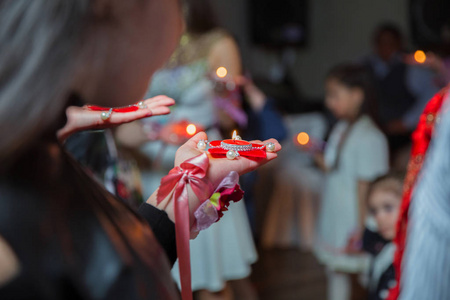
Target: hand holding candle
(236,147)
(219,165)
(181,203)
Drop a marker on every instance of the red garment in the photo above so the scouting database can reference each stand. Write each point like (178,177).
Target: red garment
(421,139)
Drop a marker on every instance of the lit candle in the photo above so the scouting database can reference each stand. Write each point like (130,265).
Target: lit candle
(236,140)
(235,147)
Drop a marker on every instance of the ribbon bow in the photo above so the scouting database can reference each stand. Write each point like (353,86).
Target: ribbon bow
(192,172)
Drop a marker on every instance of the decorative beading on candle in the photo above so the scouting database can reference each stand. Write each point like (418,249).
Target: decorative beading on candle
(235,147)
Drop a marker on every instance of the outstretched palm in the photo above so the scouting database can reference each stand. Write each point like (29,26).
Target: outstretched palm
(82,118)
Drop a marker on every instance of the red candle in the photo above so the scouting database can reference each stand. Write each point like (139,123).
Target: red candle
(236,142)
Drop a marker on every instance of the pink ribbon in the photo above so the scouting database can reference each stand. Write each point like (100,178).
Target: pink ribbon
(192,172)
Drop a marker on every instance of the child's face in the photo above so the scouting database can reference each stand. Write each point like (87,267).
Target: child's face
(344,102)
(384,206)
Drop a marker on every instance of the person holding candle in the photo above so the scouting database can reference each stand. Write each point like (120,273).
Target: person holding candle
(206,59)
(356,153)
(63,236)
(402,90)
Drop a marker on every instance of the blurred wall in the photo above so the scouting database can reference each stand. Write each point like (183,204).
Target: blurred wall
(339,30)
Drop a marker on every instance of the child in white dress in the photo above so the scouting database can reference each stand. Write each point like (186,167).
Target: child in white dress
(356,153)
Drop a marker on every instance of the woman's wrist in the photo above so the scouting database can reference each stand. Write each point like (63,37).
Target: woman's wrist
(168,206)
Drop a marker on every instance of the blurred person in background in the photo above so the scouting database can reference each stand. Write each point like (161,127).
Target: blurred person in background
(62,235)
(383,202)
(402,90)
(225,251)
(356,154)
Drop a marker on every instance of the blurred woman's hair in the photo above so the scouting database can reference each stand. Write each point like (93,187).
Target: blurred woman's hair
(354,75)
(200,16)
(391,182)
(44,46)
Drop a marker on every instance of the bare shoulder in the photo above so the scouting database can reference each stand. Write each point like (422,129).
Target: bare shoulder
(9,263)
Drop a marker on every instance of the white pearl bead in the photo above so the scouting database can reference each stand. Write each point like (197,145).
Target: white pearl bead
(270,147)
(201,145)
(141,104)
(231,155)
(105,115)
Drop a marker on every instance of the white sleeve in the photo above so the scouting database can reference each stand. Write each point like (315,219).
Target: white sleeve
(372,156)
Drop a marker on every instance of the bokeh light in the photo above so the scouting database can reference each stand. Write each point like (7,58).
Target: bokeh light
(191,129)
(420,56)
(303,138)
(222,72)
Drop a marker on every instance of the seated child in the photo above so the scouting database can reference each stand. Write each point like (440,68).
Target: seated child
(383,201)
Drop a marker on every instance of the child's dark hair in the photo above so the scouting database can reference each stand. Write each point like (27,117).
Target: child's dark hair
(392,182)
(389,28)
(356,76)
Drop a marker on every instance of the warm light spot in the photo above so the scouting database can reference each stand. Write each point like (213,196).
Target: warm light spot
(191,129)
(420,56)
(221,72)
(234,135)
(303,138)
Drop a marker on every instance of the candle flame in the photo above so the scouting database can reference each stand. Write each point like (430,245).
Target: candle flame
(191,129)
(221,72)
(303,138)
(234,134)
(420,56)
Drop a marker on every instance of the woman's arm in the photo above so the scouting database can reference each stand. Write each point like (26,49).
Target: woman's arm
(163,228)
(82,118)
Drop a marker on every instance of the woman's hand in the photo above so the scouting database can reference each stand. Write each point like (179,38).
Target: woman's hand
(82,118)
(219,168)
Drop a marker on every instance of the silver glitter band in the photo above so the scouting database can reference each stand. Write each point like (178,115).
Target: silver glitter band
(238,148)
